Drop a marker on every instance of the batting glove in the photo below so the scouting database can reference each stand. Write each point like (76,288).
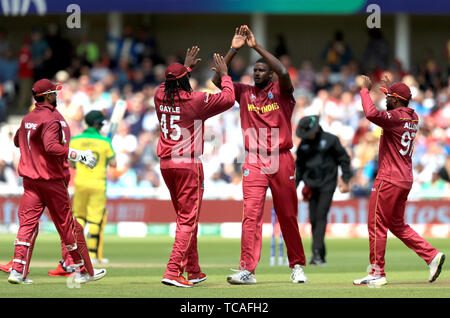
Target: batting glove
(85,157)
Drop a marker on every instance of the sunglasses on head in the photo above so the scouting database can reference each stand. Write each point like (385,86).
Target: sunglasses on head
(56,90)
(395,95)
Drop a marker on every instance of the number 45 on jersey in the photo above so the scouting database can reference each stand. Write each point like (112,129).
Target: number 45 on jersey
(176,130)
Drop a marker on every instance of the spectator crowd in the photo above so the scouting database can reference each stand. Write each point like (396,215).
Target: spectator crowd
(131,69)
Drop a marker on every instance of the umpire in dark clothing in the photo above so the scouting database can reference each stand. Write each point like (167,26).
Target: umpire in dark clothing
(318,156)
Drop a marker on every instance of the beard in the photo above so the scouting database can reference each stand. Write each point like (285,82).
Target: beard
(54,103)
(389,106)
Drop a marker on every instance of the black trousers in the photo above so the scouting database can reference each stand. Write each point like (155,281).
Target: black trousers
(319,206)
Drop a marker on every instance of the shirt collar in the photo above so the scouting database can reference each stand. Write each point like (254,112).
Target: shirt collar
(91,130)
(45,105)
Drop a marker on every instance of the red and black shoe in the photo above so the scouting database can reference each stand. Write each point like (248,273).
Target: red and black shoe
(178,281)
(61,270)
(196,278)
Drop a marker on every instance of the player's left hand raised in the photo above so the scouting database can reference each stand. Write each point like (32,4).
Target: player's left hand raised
(191,59)
(364,82)
(220,67)
(251,40)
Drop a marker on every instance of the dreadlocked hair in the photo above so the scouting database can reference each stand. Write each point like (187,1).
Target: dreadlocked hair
(173,87)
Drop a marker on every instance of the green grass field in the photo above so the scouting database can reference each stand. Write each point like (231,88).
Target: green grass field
(137,265)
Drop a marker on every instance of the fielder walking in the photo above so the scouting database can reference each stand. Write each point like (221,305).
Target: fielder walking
(43,138)
(266,111)
(181,113)
(393,182)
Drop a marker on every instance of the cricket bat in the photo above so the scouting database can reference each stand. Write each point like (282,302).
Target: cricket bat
(116,117)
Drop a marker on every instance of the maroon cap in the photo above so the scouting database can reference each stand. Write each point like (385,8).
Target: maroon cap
(399,90)
(175,71)
(44,86)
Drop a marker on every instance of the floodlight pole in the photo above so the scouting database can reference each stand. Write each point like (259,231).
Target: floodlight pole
(115,23)
(402,39)
(258,25)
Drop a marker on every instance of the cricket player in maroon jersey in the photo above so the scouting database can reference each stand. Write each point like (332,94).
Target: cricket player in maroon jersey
(43,138)
(393,182)
(181,113)
(266,110)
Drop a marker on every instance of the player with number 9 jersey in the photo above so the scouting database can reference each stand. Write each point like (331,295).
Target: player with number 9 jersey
(396,147)
(181,113)
(393,182)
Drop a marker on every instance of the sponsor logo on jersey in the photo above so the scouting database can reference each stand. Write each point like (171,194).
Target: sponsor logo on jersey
(270,95)
(263,109)
(246,172)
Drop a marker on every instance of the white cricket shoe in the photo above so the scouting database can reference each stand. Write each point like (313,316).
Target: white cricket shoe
(298,275)
(242,277)
(96,261)
(16,278)
(371,280)
(85,278)
(436,266)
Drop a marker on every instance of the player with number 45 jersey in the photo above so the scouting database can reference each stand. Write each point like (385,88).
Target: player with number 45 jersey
(181,113)
(393,182)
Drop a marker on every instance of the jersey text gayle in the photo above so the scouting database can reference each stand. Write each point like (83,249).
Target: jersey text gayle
(169,109)
(264,109)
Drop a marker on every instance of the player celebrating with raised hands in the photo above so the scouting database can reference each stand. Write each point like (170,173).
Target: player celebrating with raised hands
(393,182)
(266,111)
(181,113)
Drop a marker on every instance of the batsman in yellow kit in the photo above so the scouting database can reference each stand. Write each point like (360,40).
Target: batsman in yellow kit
(89,200)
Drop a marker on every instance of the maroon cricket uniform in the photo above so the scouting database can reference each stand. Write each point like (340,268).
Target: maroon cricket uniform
(393,183)
(179,147)
(43,139)
(266,125)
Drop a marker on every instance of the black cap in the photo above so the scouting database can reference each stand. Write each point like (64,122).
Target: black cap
(307,126)
(94,117)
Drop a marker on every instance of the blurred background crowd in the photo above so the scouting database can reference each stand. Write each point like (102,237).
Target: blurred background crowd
(130,69)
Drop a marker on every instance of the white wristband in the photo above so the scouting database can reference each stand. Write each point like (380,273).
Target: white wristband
(74,155)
